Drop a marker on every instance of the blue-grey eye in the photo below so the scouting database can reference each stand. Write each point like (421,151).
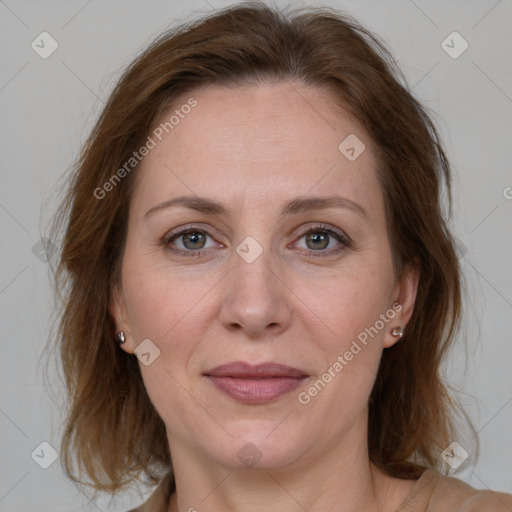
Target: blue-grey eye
(194,240)
(317,240)
(190,240)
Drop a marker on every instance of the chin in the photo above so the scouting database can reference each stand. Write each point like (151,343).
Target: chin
(259,446)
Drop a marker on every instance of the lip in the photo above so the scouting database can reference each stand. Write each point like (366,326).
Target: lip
(255,384)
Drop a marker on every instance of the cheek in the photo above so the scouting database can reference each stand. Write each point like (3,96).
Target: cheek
(163,305)
(161,301)
(356,314)
(348,302)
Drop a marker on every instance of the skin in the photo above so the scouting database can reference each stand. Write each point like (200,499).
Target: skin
(254,148)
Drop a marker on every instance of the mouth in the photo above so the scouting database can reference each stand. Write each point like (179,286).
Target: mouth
(258,384)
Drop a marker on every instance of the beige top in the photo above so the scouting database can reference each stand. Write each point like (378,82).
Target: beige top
(433,492)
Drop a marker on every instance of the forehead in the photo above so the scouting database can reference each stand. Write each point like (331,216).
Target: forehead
(250,142)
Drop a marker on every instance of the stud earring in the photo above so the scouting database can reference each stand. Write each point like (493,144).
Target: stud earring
(120,337)
(397,332)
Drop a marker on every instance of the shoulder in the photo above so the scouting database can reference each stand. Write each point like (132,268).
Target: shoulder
(434,492)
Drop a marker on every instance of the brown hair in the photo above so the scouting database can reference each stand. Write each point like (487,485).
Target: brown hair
(112,428)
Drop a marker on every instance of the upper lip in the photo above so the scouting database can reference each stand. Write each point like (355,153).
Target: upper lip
(245,370)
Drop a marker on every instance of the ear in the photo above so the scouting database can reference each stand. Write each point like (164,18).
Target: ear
(117,309)
(405,295)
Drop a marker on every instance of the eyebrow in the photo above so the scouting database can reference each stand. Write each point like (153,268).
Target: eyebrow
(297,205)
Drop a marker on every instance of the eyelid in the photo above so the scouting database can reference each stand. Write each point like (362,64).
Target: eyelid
(320,226)
(185,229)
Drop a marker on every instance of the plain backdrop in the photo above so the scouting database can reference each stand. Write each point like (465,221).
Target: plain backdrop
(48,106)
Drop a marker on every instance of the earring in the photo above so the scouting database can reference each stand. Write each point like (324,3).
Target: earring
(120,337)
(397,332)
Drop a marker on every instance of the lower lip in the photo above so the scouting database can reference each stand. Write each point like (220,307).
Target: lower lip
(256,391)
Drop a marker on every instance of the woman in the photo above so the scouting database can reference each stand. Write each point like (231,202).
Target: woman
(260,283)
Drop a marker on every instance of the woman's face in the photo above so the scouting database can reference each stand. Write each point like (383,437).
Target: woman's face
(286,261)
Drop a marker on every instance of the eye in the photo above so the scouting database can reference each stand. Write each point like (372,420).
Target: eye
(189,240)
(323,240)
(318,240)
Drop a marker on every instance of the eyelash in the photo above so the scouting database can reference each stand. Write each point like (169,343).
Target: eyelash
(344,241)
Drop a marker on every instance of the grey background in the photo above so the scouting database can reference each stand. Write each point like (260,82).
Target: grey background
(49,106)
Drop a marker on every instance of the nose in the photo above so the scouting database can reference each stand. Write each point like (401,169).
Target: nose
(256,299)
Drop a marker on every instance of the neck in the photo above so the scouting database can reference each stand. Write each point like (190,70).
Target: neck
(340,478)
